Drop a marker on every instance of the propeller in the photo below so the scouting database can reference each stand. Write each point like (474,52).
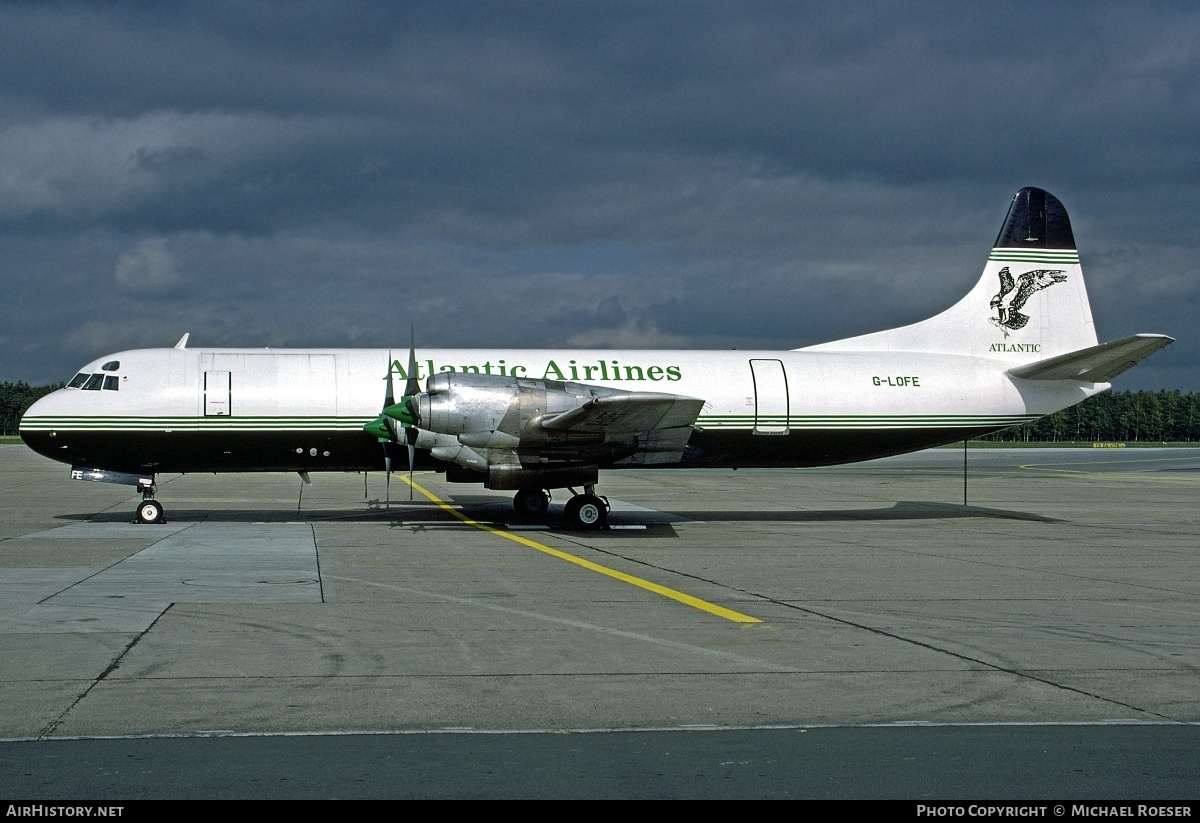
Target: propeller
(405,412)
(411,389)
(379,427)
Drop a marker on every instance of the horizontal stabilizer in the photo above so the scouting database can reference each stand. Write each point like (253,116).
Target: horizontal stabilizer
(1095,364)
(627,413)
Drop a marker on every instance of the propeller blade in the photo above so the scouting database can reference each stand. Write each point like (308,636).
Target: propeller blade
(389,398)
(387,476)
(411,436)
(412,456)
(412,387)
(407,414)
(383,432)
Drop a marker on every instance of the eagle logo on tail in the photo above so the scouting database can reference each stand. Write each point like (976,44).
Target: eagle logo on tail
(1015,291)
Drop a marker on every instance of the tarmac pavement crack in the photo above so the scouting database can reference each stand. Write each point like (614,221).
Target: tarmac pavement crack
(317,555)
(100,678)
(890,635)
(113,565)
(968,659)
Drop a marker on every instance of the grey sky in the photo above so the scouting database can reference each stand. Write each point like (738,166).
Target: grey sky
(578,173)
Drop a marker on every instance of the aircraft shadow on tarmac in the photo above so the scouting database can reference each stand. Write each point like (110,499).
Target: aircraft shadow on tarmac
(902,510)
(625,523)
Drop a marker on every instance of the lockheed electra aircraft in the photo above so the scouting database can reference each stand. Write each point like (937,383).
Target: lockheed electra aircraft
(1020,345)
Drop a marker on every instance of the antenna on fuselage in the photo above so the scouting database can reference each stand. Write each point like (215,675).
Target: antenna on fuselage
(182,344)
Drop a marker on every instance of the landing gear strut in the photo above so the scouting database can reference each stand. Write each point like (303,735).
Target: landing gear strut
(586,511)
(149,510)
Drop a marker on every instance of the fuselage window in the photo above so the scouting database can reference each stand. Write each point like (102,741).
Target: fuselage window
(78,380)
(111,365)
(112,382)
(93,382)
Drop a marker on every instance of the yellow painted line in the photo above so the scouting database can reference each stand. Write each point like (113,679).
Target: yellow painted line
(686,599)
(1054,468)
(1123,476)
(1121,462)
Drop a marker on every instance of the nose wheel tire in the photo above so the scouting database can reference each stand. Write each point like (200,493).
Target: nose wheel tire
(586,512)
(531,502)
(149,511)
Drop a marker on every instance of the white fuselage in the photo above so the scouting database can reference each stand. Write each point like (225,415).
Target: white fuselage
(300,409)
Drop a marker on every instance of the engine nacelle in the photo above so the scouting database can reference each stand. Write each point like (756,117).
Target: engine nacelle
(523,433)
(495,411)
(457,403)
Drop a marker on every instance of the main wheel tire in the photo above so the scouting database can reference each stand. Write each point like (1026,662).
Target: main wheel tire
(149,511)
(531,502)
(587,512)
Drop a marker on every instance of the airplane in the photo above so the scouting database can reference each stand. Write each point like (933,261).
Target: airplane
(1020,345)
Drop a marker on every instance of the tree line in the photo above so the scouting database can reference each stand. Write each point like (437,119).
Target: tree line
(1131,417)
(1142,416)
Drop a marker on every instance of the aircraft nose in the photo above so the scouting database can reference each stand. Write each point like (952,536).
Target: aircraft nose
(35,426)
(38,407)
(30,413)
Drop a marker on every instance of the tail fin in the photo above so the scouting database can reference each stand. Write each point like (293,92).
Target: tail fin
(1030,303)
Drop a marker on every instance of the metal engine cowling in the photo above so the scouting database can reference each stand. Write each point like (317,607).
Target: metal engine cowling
(457,403)
(530,433)
(472,405)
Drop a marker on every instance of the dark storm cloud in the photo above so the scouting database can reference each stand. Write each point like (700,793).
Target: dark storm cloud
(675,174)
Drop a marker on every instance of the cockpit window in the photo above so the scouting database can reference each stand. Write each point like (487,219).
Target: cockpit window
(78,380)
(111,365)
(112,382)
(94,382)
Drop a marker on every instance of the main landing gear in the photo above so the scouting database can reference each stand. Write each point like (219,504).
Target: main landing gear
(586,512)
(149,510)
(532,502)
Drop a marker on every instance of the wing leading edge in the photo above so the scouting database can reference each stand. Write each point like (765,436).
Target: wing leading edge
(626,413)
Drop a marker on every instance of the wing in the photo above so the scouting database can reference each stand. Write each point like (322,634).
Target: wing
(658,424)
(627,413)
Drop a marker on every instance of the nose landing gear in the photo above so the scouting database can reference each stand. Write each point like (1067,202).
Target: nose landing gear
(149,510)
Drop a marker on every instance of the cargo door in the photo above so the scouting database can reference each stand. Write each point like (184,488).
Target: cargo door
(770,397)
(216,394)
